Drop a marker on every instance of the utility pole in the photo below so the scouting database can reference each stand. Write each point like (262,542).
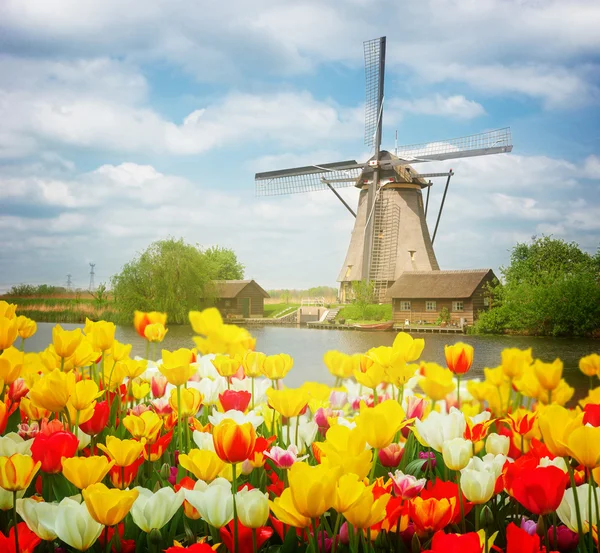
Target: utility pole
(69,282)
(92,286)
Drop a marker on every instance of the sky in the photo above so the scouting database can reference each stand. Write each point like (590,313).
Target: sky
(122,123)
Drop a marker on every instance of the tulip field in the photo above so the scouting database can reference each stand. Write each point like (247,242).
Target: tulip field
(205,449)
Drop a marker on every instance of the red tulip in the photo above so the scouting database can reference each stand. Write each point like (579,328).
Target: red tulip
(18,389)
(28,541)
(455,543)
(519,541)
(591,414)
(244,536)
(99,420)
(159,385)
(122,477)
(50,450)
(194,548)
(391,455)
(154,452)
(231,399)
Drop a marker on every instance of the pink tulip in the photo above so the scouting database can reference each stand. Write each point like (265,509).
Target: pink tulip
(391,455)
(406,486)
(159,385)
(338,399)
(284,458)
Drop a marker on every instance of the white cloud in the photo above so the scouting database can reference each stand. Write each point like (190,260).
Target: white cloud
(522,208)
(450,106)
(591,167)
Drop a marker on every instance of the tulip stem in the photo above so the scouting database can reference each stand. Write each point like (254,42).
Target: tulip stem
(106,540)
(15,521)
(594,485)
(462,506)
(297,427)
(375,398)
(575,500)
(336,529)
(179,429)
(590,485)
(254,547)
(252,380)
(458,390)
(375,457)
(235,516)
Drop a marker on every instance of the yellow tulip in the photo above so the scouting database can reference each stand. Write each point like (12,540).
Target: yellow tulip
(26,327)
(549,374)
(102,335)
(379,424)
(438,382)
(8,332)
(227,339)
(122,452)
(313,488)
(372,377)
(346,448)
(108,506)
(191,400)
(227,366)
(494,376)
(515,361)
(592,397)
(65,342)
(50,359)
(17,472)
(141,320)
(119,351)
(147,425)
(53,390)
(560,395)
(202,463)
(155,332)
(583,444)
(556,423)
(176,366)
(407,347)
(132,368)
(140,390)
(367,511)
(32,412)
(83,356)
(340,364)
(253,364)
(349,490)
(285,510)
(11,365)
(84,395)
(113,377)
(7,310)
(82,472)
(275,367)
(206,322)
(590,365)
(288,403)
(528,384)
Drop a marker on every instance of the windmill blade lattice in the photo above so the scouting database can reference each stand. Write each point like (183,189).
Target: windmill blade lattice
(373,52)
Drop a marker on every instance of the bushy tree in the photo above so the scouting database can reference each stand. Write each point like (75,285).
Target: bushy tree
(225,264)
(170,276)
(363,292)
(551,287)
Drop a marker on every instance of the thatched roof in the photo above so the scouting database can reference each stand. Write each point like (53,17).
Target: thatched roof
(437,284)
(229,289)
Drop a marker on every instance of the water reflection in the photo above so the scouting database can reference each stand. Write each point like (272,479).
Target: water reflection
(307,347)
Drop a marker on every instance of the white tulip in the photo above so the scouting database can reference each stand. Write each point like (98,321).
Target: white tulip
(12,443)
(204,440)
(6,499)
(567,513)
(497,444)
(75,526)
(213,501)
(205,368)
(39,516)
(261,385)
(210,389)
(495,463)
(307,432)
(558,462)
(252,507)
(153,510)
(477,484)
(437,428)
(457,453)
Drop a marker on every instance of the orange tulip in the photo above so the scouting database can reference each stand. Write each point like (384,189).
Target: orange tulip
(17,472)
(141,320)
(459,357)
(234,443)
(431,515)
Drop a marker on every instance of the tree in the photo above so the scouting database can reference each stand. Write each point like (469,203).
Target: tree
(363,293)
(551,287)
(225,264)
(170,276)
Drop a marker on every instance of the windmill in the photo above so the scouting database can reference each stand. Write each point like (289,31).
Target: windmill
(390,232)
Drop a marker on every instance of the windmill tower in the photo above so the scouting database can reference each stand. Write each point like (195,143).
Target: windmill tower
(390,232)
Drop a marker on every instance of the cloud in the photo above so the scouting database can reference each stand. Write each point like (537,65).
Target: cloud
(450,106)
(522,208)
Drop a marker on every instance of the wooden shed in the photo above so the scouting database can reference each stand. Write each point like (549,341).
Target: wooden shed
(419,296)
(240,298)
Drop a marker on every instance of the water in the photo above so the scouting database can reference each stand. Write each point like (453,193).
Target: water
(307,347)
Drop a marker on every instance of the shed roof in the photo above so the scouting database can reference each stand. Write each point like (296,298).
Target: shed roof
(228,289)
(437,284)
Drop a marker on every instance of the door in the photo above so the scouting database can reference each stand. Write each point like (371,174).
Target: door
(245,307)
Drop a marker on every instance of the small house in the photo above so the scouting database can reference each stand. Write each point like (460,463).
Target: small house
(240,298)
(419,297)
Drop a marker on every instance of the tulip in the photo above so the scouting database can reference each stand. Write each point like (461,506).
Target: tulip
(159,385)
(477,482)
(176,366)
(346,449)
(457,453)
(11,365)
(191,400)
(379,424)
(368,510)
(132,368)
(203,464)
(155,332)
(139,390)
(146,426)
(82,472)
(590,365)
(108,506)
(253,363)
(234,443)
(283,458)
(459,357)
(451,543)
(515,361)
(119,351)
(567,513)
(591,415)
(540,490)
(123,452)
(50,450)
(39,516)
(583,444)
(12,443)
(237,400)
(437,429)
(7,310)
(406,486)
(349,490)
(151,511)
(214,501)
(21,541)
(84,395)
(275,367)
(245,537)
(391,455)
(227,366)
(252,507)
(372,377)
(141,320)
(438,382)
(17,472)
(26,327)
(556,424)
(549,374)
(288,403)
(102,335)
(53,390)
(430,515)
(284,508)
(98,421)
(65,342)
(497,444)
(313,488)
(407,347)
(340,364)
(75,526)
(8,332)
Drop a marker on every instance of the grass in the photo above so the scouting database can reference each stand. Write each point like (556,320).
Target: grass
(62,310)
(273,309)
(373,313)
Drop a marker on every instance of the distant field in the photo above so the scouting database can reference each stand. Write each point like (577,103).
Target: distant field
(63,308)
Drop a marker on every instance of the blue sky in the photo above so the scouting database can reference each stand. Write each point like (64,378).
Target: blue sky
(123,123)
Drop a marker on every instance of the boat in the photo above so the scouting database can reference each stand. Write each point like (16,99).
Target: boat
(388,325)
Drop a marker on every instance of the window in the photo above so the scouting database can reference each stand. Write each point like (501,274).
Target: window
(458,306)
(404,306)
(430,305)
(227,303)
